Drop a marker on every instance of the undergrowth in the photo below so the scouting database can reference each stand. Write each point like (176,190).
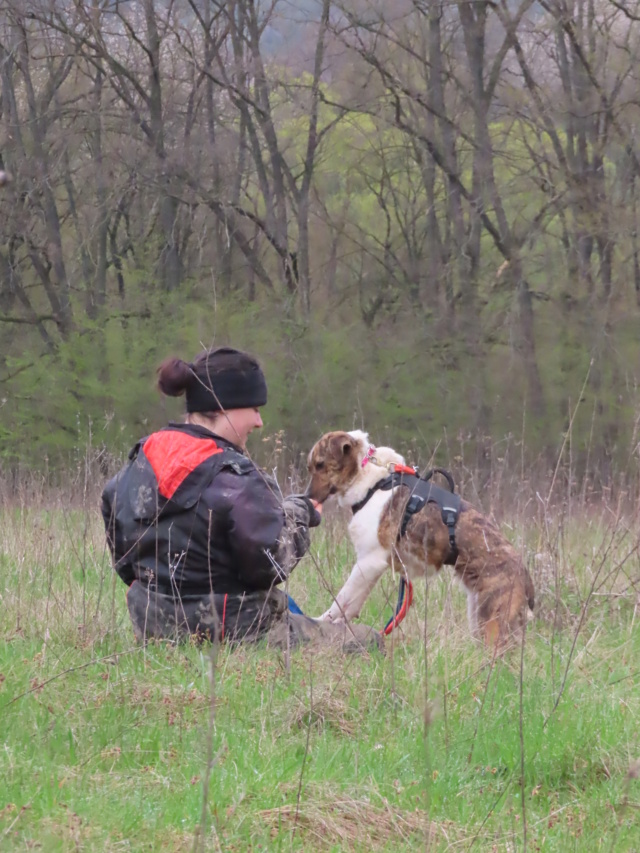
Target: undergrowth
(434,746)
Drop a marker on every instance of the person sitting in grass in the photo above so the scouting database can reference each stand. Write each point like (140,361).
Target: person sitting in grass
(200,534)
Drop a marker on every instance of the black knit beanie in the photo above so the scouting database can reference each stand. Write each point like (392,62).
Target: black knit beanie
(214,388)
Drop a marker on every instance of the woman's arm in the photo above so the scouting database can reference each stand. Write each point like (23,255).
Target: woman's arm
(267,535)
(119,554)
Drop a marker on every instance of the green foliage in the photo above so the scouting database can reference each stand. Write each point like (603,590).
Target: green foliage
(408,383)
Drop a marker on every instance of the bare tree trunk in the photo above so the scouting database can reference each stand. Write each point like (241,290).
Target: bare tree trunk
(455,255)
(38,126)
(170,260)
(313,138)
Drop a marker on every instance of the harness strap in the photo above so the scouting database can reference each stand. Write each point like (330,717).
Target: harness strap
(422,491)
(358,506)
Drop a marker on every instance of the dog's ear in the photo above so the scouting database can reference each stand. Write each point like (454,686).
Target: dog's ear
(342,444)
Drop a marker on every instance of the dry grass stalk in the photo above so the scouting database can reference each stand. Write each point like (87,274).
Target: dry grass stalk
(354,822)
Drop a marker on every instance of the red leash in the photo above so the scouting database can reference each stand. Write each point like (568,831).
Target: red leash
(405,600)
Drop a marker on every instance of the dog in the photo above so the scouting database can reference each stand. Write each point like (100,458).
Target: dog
(499,588)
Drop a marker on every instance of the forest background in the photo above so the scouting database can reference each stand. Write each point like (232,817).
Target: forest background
(421,216)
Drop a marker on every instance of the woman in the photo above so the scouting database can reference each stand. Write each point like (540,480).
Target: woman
(198,532)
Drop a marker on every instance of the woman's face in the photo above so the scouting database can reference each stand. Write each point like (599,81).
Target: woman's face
(238,424)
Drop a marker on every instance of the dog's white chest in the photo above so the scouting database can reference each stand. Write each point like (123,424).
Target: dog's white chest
(363,527)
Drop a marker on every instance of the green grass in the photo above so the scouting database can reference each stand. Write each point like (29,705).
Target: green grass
(433,747)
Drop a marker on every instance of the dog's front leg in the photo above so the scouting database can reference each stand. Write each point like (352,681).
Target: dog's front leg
(365,574)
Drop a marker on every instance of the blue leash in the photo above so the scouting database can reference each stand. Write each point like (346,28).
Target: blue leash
(293,607)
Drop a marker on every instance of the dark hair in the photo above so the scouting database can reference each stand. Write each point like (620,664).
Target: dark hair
(174,375)
(222,378)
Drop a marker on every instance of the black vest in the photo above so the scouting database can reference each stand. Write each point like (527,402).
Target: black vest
(160,530)
(422,491)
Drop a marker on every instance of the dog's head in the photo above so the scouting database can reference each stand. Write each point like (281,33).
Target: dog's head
(334,462)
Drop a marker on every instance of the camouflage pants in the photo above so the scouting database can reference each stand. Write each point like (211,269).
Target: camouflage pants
(238,618)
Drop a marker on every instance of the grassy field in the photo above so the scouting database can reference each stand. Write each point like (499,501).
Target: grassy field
(108,746)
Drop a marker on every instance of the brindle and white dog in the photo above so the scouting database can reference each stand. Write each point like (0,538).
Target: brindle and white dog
(498,586)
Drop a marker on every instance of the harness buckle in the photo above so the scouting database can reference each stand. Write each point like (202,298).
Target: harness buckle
(414,503)
(450,519)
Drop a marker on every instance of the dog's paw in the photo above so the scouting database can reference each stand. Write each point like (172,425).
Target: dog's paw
(330,615)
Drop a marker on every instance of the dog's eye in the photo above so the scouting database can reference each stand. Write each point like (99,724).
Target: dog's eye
(319,466)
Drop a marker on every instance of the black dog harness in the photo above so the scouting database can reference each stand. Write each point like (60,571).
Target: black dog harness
(422,491)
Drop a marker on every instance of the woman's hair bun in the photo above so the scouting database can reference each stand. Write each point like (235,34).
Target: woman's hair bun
(174,376)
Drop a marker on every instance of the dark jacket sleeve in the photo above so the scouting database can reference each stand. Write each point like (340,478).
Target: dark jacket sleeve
(107,513)
(294,541)
(122,565)
(267,535)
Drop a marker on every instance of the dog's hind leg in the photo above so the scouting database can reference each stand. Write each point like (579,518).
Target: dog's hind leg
(365,574)
(472,612)
(492,633)
(500,613)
